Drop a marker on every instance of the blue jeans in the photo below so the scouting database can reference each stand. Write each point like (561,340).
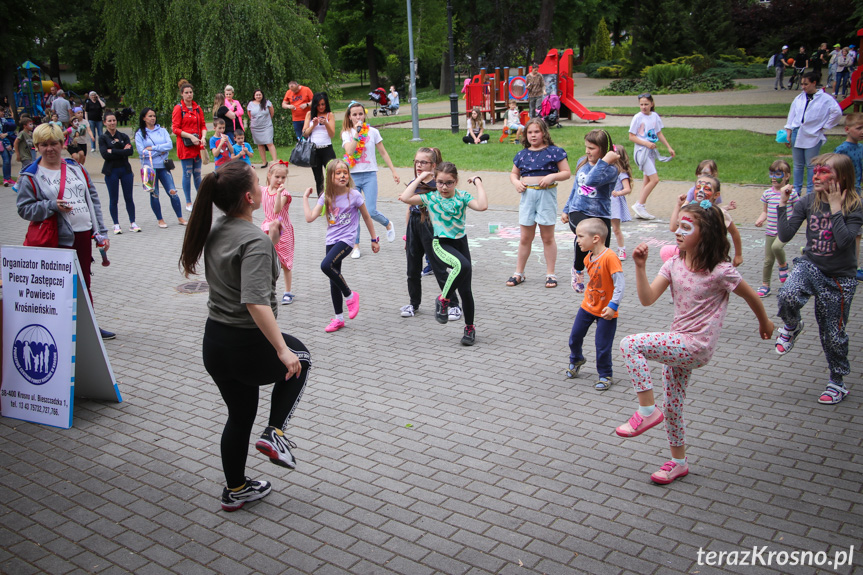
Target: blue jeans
(605,329)
(298,128)
(191,167)
(164,176)
(367,183)
(6,154)
(96,128)
(119,176)
(803,159)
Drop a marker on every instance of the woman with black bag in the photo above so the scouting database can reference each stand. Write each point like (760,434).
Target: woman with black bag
(153,143)
(319,128)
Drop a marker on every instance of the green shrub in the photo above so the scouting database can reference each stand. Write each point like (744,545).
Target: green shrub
(615,71)
(663,75)
(703,83)
(630,86)
(592,69)
(699,62)
(622,50)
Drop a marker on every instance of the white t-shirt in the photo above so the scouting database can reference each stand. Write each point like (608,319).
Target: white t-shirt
(74,193)
(368,161)
(643,125)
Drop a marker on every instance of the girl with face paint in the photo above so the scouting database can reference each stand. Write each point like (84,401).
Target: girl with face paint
(700,278)
(779,174)
(707,189)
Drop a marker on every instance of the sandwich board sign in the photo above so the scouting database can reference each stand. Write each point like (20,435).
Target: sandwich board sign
(52,349)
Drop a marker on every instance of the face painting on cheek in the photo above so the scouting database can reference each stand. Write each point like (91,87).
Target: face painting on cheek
(685,227)
(703,191)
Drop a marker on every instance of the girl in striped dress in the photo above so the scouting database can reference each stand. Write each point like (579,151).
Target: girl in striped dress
(277,222)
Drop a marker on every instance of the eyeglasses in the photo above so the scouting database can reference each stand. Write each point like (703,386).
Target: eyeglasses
(777,175)
(443,184)
(819,169)
(422,163)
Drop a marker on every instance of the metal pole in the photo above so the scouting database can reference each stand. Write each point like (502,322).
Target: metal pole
(453,98)
(415,114)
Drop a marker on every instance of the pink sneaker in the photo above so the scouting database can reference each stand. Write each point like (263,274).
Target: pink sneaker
(353,305)
(638,424)
(669,472)
(335,325)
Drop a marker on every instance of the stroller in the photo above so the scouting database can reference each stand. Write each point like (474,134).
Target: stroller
(379,97)
(550,110)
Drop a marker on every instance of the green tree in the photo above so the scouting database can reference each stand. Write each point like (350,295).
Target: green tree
(660,32)
(600,50)
(155,44)
(712,28)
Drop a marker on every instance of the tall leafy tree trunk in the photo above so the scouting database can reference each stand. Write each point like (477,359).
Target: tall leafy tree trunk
(368,18)
(546,14)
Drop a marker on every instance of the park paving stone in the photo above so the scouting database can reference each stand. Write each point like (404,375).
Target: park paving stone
(418,455)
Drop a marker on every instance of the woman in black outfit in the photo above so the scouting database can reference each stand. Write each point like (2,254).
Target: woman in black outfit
(319,128)
(243,346)
(116,148)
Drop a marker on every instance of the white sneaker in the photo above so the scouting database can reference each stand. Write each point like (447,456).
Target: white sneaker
(117,230)
(188,207)
(642,213)
(408,311)
(355,254)
(454,313)
(391,234)
(134,227)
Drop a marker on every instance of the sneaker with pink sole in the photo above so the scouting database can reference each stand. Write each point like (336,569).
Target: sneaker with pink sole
(669,472)
(335,325)
(638,424)
(353,305)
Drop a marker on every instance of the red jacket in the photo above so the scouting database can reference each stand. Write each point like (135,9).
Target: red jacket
(190,121)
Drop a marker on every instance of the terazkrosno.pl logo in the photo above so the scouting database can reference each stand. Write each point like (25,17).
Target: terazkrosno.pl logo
(35,354)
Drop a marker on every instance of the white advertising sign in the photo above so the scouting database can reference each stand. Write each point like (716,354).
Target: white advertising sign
(42,290)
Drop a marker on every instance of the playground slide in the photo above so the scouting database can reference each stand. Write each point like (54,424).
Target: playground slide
(579,110)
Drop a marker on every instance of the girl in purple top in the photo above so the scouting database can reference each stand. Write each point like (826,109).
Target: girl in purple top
(342,205)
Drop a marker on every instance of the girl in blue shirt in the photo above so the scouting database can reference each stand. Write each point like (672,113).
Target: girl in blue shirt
(595,178)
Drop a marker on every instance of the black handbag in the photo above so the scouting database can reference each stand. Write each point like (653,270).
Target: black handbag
(303,154)
(169,165)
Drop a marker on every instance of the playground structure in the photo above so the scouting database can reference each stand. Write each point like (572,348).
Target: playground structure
(31,89)
(491,91)
(855,94)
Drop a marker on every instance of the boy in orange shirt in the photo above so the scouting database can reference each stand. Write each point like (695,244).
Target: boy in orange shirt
(601,300)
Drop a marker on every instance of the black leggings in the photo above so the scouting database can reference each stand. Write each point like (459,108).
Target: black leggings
(419,242)
(456,254)
(240,360)
(332,267)
(574,219)
(469,139)
(322,157)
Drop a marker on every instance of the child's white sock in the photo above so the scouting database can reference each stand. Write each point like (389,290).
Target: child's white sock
(640,205)
(679,461)
(350,297)
(646,410)
(340,316)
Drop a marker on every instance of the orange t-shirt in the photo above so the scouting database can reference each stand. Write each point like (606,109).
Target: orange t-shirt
(600,288)
(302,96)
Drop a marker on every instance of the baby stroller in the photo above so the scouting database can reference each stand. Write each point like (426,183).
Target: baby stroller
(550,110)
(379,97)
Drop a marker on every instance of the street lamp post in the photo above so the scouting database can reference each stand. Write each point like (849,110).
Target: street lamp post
(415,115)
(453,98)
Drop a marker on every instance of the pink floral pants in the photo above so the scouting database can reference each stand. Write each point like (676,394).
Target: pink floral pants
(667,348)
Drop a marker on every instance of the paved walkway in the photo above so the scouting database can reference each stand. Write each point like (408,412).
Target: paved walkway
(417,455)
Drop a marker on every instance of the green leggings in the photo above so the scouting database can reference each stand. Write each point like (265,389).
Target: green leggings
(773,250)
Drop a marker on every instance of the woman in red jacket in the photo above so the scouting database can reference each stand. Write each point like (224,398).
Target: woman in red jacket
(188,124)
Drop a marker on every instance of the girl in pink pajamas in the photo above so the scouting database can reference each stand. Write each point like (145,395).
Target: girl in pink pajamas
(700,277)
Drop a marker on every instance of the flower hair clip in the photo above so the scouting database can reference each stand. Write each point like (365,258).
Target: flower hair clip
(703,204)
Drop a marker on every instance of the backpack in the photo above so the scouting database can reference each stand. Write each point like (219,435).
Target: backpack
(772,61)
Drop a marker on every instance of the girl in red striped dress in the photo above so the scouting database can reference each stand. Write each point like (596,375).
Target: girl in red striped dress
(277,223)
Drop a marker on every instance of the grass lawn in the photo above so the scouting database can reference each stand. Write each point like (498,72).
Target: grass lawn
(744,110)
(743,157)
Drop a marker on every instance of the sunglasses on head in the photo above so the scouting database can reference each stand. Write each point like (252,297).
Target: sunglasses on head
(645,95)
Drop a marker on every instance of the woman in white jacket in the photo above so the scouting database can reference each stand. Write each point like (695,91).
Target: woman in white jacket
(153,143)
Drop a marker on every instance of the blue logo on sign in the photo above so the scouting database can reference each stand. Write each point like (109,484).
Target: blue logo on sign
(35,354)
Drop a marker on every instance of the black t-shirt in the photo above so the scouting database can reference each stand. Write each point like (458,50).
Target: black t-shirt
(816,62)
(93,110)
(229,123)
(800,60)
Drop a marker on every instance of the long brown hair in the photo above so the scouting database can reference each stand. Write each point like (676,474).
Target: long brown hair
(346,122)
(218,102)
(599,138)
(844,169)
(423,188)
(330,182)
(543,127)
(713,248)
(226,189)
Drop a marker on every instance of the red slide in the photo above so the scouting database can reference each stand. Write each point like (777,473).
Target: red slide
(577,108)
